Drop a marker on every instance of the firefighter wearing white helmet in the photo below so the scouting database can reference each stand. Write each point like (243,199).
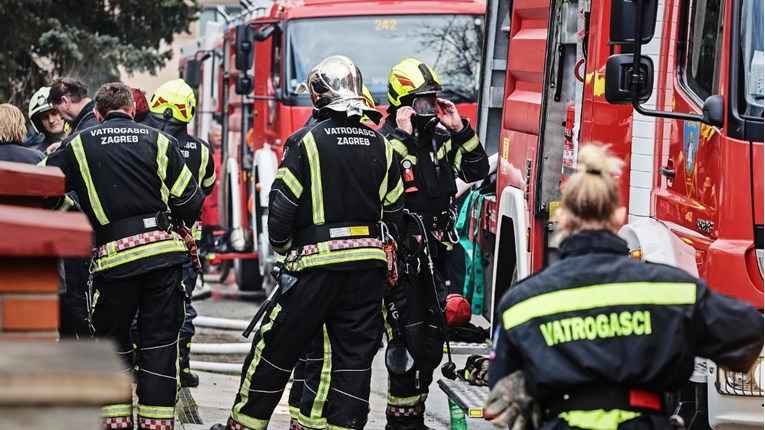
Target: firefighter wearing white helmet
(333,192)
(171,108)
(46,119)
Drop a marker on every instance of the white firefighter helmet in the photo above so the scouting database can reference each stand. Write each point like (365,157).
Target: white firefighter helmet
(37,105)
(336,83)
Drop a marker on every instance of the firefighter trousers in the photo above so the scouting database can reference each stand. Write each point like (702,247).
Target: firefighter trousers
(159,299)
(420,299)
(332,314)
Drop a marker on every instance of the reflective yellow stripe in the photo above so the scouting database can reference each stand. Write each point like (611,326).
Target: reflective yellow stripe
(289,179)
(470,144)
(317,197)
(335,257)
(120,410)
(597,296)
(209,181)
(82,161)
(182,181)
(204,156)
(598,419)
(324,379)
(393,196)
(244,390)
(407,401)
(143,251)
(412,159)
(43,162)
(161,412)
(399,147)
(65,204)
(318,423)
(294,412)
(162,166)
(250,422)
(388,161)
(458,162)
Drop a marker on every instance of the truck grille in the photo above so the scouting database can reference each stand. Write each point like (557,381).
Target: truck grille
(748,384)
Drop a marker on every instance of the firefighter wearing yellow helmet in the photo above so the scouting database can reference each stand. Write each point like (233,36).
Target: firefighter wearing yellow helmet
(433,146)
(171,108)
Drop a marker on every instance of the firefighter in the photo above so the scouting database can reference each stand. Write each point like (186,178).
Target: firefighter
(433,146)
(70,98)
(170,110)
(618,332)
(332,190)
(298,374)
(46,120)
(137,192)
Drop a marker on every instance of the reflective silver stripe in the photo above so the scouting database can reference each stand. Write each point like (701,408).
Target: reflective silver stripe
(182,181)
(161,412)
(317,196)
(208,182)
(82,162)
(458,162)
(162,166)
(335,257)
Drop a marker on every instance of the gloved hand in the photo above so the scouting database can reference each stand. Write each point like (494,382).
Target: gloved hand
(510,406)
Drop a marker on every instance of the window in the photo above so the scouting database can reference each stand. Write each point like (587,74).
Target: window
(752,46)
(450,44)
(704,47)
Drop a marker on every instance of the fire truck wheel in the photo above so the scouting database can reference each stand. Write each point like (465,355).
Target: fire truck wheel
(247,273)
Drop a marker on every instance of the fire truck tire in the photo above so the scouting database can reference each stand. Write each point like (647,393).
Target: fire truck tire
(247,273)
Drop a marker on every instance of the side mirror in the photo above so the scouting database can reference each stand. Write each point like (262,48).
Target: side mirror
(624,20)
(713,111)
(619,79)
(244,84)
(244,52)
(264,33)
(192,73)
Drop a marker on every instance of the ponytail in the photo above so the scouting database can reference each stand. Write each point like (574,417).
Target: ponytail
(591,195)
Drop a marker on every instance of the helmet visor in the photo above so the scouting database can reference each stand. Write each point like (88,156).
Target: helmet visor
(425,105)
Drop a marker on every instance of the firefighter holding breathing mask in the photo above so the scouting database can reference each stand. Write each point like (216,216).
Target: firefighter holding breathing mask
(433,146)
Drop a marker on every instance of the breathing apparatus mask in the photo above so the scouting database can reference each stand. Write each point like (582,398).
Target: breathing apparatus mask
(426,120)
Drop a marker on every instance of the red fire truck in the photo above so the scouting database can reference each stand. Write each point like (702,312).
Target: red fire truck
(683,107)
(259,107)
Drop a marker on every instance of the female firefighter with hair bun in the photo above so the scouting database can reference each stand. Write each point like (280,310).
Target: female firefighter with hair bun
(593,340)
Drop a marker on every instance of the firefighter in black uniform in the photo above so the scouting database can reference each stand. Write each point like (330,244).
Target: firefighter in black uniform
(170,110)
(599,336)
(135,188)
(70,98)
(335,186)
(432,151)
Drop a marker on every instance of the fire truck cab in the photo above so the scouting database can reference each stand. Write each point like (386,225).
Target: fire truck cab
(676,88)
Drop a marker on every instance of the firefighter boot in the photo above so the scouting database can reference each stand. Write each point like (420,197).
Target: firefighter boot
(406,418)
(188,379)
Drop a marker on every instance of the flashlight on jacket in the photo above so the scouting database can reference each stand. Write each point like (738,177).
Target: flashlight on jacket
(408,177)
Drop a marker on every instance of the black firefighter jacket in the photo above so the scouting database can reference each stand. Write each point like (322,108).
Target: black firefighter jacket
(599,317)
(336,182)
(122,170)
(458,155)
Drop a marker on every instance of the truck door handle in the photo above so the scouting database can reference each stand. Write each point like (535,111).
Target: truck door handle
(667,172)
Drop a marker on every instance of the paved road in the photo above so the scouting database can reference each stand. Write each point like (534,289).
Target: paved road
(216,392)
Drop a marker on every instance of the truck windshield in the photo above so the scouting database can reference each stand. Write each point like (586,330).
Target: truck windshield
(450,44)
(752,53)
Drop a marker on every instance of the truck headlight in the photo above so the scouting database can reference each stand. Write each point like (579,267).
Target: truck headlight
(741,384)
